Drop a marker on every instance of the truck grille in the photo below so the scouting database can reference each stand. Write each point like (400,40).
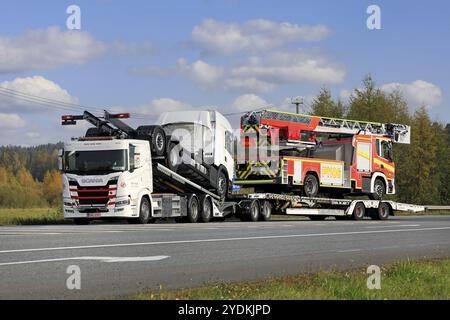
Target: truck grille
(95,195)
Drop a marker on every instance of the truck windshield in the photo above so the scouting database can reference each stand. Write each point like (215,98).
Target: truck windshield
(95,162)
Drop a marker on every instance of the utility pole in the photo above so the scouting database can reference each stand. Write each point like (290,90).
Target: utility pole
(297,101)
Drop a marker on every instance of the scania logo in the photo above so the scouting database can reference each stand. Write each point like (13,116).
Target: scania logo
(91,180)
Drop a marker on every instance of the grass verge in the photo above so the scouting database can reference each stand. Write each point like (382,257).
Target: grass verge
(32,216)
(403,280)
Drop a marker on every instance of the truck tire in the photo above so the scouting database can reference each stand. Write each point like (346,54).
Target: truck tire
(158,142)
(266,211)
(251,211)
(144,213)
(379,190)
(157,137)
(383,211)
(206,207)
(81,221)
(174,156)
(311,185)
(359,211)
(193,208)
(222,184)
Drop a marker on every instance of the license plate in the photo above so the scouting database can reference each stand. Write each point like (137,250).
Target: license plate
(94,215)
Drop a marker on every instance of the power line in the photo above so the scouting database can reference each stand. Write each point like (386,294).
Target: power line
(69,106)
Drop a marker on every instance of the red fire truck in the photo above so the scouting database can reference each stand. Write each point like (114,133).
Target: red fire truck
(312,154)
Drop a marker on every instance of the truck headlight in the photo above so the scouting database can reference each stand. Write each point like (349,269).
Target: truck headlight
(123,202)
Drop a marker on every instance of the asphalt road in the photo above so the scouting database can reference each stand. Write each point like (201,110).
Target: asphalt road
(121,259)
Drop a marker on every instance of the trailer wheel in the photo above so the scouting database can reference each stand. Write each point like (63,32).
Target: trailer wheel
(383,211)
(266,211)
(206,208)
(311,185)
(359,211)
(81,221)
(193,208)
(174,156)
(251,212)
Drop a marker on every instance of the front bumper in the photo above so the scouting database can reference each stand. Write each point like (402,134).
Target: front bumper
(99,212)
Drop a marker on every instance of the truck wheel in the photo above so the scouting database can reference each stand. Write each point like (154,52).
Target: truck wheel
(266,211)
(382,212)
(310,185)
(144,213)
(222,184)
(359,211)
(251,211)
(81,221)
(379,190)
(193,208)
(206,208)
(174,156)
(158,141)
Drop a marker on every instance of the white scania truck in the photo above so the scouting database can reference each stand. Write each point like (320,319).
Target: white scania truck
(118,172)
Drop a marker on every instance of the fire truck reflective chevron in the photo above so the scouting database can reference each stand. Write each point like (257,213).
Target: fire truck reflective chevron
(363,154)
(385,165)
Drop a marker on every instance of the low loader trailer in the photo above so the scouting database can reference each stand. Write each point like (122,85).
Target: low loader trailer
(110,174)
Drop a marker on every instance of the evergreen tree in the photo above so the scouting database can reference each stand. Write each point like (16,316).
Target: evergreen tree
(324,105)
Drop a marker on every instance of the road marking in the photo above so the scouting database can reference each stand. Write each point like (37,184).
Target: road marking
(400,225)
(288,236)
(102,259)
(27,233)
(349,250)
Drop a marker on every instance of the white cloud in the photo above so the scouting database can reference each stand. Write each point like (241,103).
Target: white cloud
(289,67)
(247,102)
(417,92)
(200,72)
(33,135)
(158,106)
(11,121)
(249,85)
(254,35)
(21,92)
(44,49)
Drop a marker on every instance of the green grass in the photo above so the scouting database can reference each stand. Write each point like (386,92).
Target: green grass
(33,216)
(403,280)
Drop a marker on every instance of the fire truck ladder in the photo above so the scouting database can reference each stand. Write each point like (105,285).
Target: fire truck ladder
(399,132)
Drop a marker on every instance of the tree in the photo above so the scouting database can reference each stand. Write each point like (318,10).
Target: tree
(369,103)
(52,187)
(324,105)
(417,185)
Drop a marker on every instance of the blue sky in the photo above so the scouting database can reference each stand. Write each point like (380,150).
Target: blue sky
(151,56)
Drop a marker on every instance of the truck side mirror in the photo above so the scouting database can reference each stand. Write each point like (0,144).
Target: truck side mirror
(60,159)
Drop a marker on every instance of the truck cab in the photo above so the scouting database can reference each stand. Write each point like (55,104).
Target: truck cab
(201,146)
(105,177)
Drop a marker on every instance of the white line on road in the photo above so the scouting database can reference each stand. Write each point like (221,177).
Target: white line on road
(134,244)
(349,250)
(400,225)
(102,259)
